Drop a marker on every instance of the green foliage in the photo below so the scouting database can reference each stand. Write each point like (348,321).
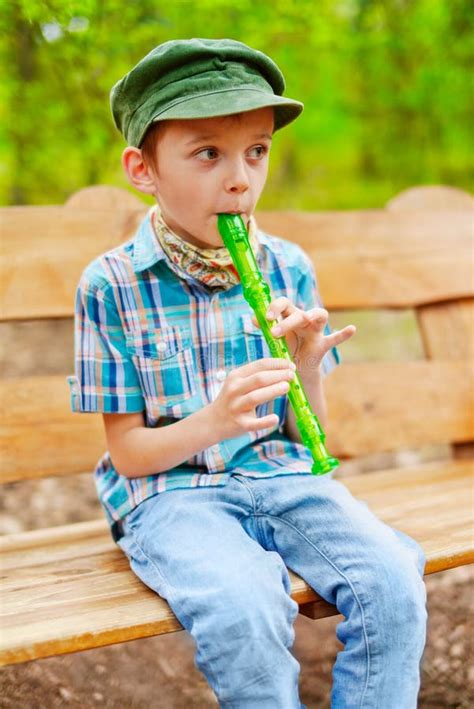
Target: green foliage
(385,84)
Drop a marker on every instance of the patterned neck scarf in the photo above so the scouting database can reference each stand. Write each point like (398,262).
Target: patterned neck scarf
(212,267)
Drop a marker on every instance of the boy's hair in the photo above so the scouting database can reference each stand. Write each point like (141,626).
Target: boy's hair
(150,145)
(198,78)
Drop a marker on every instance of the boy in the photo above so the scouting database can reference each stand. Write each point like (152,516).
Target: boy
(206,485)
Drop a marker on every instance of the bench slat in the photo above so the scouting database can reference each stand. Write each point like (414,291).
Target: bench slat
(360,257)
(69,588)
(376,258)
(386,406)
(447,329)
(391,405)
(46,249)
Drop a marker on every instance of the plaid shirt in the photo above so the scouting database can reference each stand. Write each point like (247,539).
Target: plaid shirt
(147,340)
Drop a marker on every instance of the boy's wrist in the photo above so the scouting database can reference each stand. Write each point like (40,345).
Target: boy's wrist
(309,370)
(215,423)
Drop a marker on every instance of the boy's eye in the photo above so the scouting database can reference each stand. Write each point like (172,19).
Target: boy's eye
(207,154)
(258,152)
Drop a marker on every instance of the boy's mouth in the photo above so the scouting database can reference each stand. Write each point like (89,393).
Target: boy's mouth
(232,211)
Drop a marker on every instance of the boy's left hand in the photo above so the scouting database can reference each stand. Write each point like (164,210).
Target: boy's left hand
(304,332)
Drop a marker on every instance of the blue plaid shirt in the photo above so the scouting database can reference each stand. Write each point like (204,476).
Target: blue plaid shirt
(148,340)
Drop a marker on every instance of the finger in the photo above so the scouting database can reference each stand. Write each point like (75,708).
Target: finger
(297,320)
(264,364)
(318,316)
(263,395)
(279,306)
(260,380)
(336,338)
(301,319)
(257,424)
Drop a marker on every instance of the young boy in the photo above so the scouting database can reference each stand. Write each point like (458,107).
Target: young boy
(206,485)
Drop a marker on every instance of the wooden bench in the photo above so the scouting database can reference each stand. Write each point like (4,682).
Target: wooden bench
(69,588)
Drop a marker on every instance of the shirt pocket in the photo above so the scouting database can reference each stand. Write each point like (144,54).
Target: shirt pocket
(255,343)
(164,362)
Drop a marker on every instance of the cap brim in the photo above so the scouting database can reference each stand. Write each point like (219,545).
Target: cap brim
(231,101)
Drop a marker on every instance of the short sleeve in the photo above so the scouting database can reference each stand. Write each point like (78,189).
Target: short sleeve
(105,378)
(308,297)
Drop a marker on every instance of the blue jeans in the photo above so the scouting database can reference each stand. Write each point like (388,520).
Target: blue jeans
(218,556)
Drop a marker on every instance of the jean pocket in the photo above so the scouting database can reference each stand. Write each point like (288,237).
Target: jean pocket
(165,366)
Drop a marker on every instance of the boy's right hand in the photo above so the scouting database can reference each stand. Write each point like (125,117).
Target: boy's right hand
(233,411)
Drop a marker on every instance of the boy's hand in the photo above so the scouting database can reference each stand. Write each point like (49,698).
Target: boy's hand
(304,332)
(233,411)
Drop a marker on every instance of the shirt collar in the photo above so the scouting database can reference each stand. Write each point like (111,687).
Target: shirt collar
(147,249)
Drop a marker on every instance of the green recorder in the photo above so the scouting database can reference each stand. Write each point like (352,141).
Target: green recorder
(257,294)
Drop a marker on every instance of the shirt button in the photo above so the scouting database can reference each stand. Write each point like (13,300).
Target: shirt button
(221,375)
(161,346)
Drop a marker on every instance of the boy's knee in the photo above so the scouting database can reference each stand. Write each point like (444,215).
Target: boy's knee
(256,607)
(250,628)
(399,594)
(414,549)
(263,603)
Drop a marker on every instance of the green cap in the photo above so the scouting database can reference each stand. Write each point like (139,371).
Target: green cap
(198,78)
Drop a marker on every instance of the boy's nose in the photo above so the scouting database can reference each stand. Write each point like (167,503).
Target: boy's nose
(237,180)
(238,187)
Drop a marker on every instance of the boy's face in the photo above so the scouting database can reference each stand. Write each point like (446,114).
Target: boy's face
(211,165)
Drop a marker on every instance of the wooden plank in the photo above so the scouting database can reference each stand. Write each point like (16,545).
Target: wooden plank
(78,575)
(45,249)
(447,329)
(363,259)
(69,588)
(377,258)
(432,502)
(391,405)
(447,333)
(40,436)
(386,406)
(104,197)
(435,198)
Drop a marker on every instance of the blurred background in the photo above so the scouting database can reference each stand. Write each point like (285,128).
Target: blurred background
(386,86)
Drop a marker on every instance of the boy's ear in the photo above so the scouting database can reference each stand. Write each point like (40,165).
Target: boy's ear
(138,172)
